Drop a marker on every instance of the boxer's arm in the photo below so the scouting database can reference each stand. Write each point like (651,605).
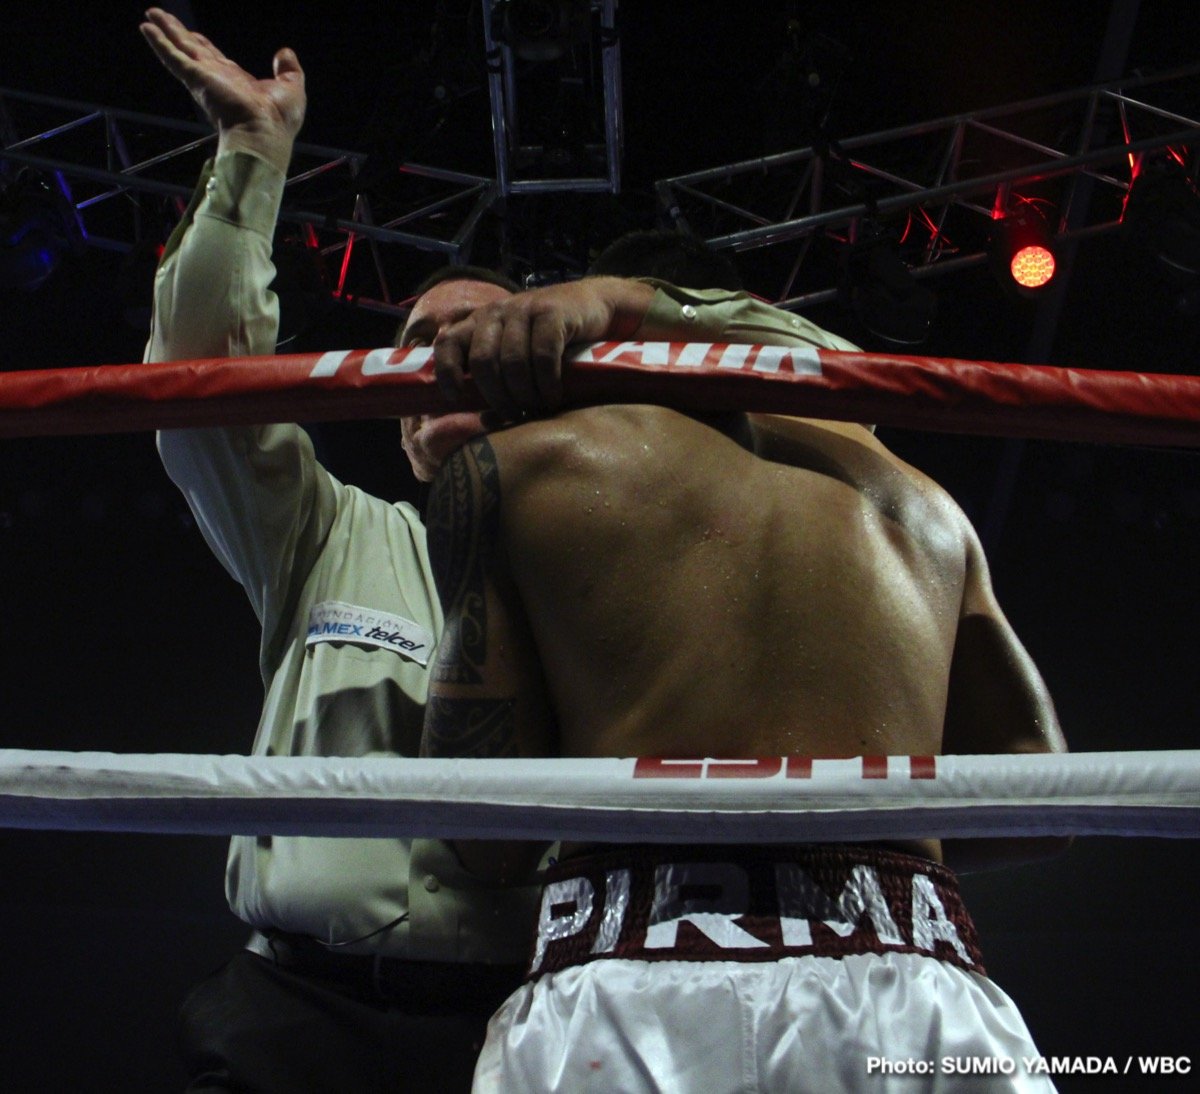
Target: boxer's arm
(997,703)
(487,695)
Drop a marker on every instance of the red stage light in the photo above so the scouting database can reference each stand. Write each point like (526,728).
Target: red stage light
(1032,266)
(1022,254)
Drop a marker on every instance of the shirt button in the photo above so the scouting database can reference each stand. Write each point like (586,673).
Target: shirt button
(211,186)
(795,321)
(688,311)
(432,885)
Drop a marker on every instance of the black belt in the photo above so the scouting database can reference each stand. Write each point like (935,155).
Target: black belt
(418,986)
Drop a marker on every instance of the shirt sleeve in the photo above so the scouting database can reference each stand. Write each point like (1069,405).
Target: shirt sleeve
(212,294)
(262,502)
(717,315)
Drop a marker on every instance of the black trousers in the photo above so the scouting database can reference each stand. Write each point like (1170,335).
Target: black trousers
(278,1028)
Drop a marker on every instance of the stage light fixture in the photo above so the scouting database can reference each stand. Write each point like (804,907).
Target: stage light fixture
(884,295)
(35,231)
(1022,251)
(1162,214)
(542,30)
(1032,266)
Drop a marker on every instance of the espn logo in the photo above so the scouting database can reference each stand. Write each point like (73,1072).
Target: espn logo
(768,767)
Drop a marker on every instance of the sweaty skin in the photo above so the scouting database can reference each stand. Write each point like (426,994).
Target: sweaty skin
(625,581)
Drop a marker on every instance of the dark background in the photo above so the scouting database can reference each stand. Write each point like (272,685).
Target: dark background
(122,633)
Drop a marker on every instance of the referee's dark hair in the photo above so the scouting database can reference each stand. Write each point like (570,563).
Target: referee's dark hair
(454,273)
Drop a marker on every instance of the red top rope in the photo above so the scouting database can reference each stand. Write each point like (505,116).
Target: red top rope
(939,394)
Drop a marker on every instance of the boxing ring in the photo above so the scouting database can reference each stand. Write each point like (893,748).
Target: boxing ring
(792,798)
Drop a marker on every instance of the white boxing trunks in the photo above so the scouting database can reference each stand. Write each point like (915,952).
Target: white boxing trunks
(773,969)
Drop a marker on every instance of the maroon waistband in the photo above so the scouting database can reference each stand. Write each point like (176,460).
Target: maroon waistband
(760,903)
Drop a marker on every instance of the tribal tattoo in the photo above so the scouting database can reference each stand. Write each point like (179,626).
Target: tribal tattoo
(479,728)
(463,522)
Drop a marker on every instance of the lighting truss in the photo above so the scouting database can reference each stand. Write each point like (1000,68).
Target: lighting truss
(128,176)
(504,84)
(937,186)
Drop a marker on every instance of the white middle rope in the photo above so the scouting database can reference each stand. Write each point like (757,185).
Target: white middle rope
(613,800)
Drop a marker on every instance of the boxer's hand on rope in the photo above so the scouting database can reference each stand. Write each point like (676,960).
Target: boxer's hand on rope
(249,114)
(513,348)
